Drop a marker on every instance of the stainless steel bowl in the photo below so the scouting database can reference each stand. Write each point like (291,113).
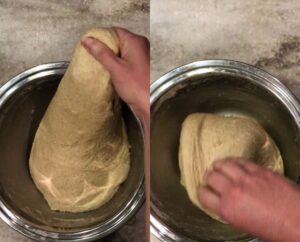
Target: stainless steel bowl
(23,101)
(213,86)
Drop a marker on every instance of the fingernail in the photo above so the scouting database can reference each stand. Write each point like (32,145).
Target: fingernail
(88,42)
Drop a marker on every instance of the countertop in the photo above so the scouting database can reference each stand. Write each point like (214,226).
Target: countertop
(34,32)
(262,33)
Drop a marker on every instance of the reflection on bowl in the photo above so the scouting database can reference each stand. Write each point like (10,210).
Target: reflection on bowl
(23,101)
(220,87)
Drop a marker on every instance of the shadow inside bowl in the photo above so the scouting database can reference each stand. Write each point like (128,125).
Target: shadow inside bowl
(20,116)
(220,94)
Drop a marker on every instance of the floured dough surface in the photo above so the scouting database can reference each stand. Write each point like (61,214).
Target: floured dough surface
(80,154)
(206,137)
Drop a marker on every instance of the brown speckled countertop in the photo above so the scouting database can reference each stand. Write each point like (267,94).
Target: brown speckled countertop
(262,33)
(33,32)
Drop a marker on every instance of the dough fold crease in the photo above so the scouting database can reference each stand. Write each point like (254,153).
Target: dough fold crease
(205,138)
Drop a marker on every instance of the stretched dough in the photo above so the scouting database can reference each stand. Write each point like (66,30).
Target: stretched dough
(207,137)
(80,154)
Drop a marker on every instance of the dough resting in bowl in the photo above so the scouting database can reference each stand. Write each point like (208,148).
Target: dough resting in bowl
(80,154)
(206,137)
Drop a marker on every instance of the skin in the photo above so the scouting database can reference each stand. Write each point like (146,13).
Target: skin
(253,199)
(130,72)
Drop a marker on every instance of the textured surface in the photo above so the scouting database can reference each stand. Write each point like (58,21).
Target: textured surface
(33,32)
(266,34)
(262,33)
(205,138)
(80,155)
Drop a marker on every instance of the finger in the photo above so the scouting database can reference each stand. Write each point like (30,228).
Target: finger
(218,182)
(125,38)
(231,168)
(133,47)
(102,53)
(123,33)
(209,199)
(249,166)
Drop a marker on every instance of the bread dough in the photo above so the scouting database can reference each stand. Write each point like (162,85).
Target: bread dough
(206,137)
(80,154)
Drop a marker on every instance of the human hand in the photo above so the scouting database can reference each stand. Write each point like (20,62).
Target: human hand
(130,70)
(253,199)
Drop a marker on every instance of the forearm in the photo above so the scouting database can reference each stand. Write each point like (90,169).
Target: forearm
(146,126)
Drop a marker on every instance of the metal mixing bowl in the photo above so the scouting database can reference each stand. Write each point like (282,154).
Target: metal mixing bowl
(23,101)
(221,87)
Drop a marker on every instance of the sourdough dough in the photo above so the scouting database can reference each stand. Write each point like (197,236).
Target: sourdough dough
(80,154)
(207,137)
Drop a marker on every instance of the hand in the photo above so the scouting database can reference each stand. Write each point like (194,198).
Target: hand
(253,199)
(131,78)
(130,71)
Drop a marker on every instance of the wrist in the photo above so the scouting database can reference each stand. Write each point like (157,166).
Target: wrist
(141,108)
(288,228)
(143,113)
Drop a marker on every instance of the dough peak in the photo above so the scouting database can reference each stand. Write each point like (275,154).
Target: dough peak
(80,154)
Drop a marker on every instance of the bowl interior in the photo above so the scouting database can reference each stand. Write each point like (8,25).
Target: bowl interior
(219,94)
(20,116)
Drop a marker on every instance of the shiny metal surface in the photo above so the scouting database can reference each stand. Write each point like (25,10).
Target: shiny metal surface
(213,86)
(23,101)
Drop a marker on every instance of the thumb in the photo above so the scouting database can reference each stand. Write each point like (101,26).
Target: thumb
(102,54)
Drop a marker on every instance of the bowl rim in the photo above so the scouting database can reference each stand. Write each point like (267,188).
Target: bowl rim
(28,229)
(214,66)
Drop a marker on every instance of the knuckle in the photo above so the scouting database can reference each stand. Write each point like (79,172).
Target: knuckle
(224,210)
(257,174)
(106,55)
(142,40)
(228,203)
(236,191)
(247,180)
(97,50)
(268,173)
